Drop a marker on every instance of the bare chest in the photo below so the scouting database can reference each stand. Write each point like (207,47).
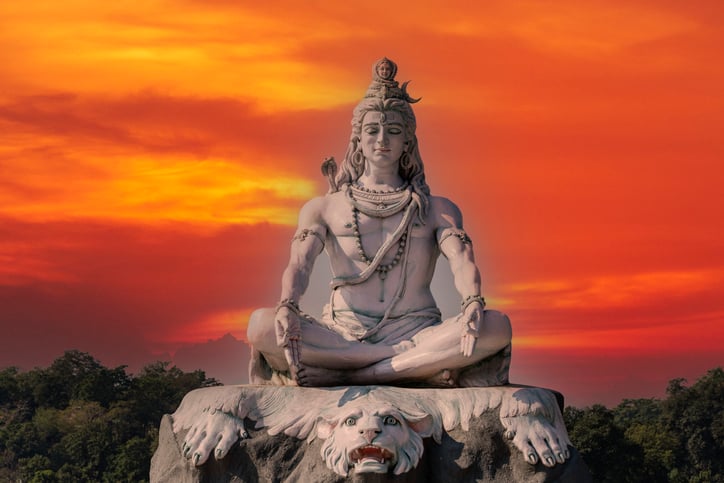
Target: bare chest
(359,236)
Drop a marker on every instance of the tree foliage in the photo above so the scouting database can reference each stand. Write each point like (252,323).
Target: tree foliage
(679,439)
(80,421)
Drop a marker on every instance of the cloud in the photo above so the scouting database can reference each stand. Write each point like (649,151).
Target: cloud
(124,291)
(155,157)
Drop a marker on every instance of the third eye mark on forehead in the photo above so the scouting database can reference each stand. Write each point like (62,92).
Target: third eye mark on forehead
(383,121)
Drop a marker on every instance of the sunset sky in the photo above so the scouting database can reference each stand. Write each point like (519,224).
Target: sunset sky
(154,156)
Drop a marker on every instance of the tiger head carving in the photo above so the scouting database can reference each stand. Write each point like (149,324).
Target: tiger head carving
(372,437)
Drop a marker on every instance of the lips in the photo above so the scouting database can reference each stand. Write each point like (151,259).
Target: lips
(381,455)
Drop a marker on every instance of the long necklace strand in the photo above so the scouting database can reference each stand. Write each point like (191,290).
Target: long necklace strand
(382,269)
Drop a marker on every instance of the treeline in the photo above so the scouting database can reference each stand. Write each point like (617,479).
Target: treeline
(79,421)
(679,439)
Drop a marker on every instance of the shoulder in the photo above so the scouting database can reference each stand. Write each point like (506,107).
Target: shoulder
(315,205)
(313,211)
(445,213)
(319,208)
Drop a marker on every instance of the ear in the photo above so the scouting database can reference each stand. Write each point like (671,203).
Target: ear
(421,424)
(325,427)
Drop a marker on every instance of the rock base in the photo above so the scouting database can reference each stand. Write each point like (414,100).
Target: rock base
(476,450)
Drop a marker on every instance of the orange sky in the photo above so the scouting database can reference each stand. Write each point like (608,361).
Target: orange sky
(153,158)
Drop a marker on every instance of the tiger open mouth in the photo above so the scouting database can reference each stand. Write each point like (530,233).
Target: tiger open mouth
(370,452)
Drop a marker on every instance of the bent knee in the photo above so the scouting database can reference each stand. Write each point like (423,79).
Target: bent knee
(498,324)
(261,327)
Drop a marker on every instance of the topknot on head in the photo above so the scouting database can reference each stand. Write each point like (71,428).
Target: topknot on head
(384,86)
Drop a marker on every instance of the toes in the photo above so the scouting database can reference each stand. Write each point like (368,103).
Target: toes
(525,447)
(223,446)
(557,451)
(204,450)
(549,461)
(222,449)
(192,443)
(544,452)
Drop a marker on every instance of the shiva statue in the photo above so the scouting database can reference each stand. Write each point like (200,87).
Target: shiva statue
(383,232)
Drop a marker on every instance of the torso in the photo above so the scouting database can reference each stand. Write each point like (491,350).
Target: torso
(373,297)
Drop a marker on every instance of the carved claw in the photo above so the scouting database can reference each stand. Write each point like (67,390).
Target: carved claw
(215,432)
(538,439)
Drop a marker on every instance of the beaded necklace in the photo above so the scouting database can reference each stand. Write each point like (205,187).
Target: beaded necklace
(382,269)
(379,205)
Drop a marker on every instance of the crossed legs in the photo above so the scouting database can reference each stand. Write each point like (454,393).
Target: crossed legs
(431,357)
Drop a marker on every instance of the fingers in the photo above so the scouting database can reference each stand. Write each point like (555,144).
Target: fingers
(280,331)
(467,344)
(292,353)
(470,334)
(286,328)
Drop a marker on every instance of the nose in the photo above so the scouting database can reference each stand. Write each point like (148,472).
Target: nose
(369,434)
(382,137)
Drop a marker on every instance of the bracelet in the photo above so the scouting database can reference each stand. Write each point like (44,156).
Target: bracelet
(472,299)
(290,304)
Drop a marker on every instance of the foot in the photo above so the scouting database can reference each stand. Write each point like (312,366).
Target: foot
(444,378)
(215,432)
(309,376)
(537,439)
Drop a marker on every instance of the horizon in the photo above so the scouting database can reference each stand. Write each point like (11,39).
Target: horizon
(215,358)
(154,160)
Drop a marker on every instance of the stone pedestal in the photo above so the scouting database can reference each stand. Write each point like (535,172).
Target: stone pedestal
(473,434)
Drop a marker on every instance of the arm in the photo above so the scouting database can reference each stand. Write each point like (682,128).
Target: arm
(457,247)
(307,244)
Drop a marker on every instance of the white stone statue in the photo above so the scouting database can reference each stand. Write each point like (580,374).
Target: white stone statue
(368,429)
(383,232)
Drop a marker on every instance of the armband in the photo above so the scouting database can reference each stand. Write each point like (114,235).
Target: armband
(460,233)
(303,234)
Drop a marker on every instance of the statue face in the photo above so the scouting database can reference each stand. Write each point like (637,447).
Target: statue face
(384,70)
(371,437)
(383,138)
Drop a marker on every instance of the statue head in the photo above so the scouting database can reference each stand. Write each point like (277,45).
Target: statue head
(368,437)
(384,95)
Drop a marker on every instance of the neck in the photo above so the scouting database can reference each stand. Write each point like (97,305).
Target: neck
(375,178)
